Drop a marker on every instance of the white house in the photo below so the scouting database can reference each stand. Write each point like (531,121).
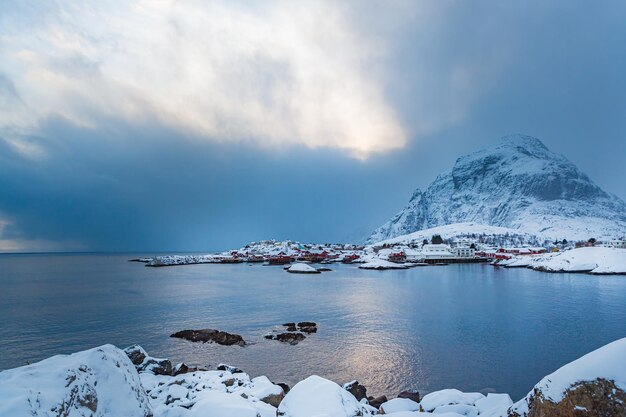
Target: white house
(439,251)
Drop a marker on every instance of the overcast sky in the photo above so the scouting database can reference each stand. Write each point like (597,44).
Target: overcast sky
(193,125)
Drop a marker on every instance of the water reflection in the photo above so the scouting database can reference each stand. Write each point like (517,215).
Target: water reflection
(467,326)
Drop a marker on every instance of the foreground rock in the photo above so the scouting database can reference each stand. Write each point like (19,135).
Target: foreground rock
(356,389)
(96,382)
(210,335)
(592,386)
(316,396)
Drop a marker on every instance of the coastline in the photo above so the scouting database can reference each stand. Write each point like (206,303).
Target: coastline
(107,381)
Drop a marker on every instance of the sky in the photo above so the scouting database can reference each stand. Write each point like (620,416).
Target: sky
(156,125)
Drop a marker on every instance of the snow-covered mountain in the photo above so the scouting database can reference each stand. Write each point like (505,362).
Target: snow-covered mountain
(517,183)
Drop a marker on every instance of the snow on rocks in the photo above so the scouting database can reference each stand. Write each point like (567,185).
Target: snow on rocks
(493,405)
(596,381)
(595,260)
(449,397)
(96,382)
(380,264)
(302,268)
(316,396)
(398,404)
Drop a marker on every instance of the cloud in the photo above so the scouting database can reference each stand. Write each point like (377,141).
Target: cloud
(276,73)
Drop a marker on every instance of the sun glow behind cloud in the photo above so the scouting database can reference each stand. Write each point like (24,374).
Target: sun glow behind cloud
(274,74)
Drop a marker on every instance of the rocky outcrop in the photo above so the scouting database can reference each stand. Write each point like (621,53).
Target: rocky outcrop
(599,398)
(210,335)
(592,386)
(96,382)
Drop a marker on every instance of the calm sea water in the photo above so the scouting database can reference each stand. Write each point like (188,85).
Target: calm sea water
(472,327)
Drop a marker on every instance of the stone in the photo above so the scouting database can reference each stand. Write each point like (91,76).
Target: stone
(136,354)
(411,395)
(598,398)
(210,335)
(356,389)
(291,338)
(378,401)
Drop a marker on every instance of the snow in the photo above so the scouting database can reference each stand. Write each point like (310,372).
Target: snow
(97,382)
(302,268)
(461,409)
(447,397)
(596,260)
(399,404)
(221,404)
(381,264)
(608,362)
(319,397)
(493,405)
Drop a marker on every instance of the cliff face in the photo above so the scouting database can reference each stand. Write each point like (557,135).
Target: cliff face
(517,183)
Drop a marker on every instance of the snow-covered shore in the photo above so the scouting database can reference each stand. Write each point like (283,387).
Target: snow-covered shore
(106,381)
(593,260)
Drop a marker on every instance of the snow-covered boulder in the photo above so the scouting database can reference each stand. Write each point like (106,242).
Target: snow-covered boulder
(96,382)
(449,397)
(493,405)
(380,264)
(317,397)
(266,391)
(460,409)
(594,384)
(301,268)
(221,404)
(397,405)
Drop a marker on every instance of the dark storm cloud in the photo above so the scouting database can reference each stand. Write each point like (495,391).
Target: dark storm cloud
(457,75)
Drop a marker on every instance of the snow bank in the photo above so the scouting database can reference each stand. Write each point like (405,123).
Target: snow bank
(317,397)
(96,382)
(607,362)
(596,260)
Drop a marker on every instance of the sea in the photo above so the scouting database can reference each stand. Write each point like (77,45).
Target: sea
(473,327)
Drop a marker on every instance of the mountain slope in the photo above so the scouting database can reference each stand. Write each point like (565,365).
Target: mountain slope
(517,183)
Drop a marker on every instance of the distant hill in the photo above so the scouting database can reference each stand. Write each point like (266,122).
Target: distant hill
(520,184)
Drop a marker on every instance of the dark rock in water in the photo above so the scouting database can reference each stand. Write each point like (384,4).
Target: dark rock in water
(136,354)
(292,329)
(306,324)
(231,369)
(291,338)
(269,336)
(309,329)
(598,398)
(411,395)
(356,389)
(210,335)
(284,386)
(290,324)
(378,401)
(156,366)
(180,369)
